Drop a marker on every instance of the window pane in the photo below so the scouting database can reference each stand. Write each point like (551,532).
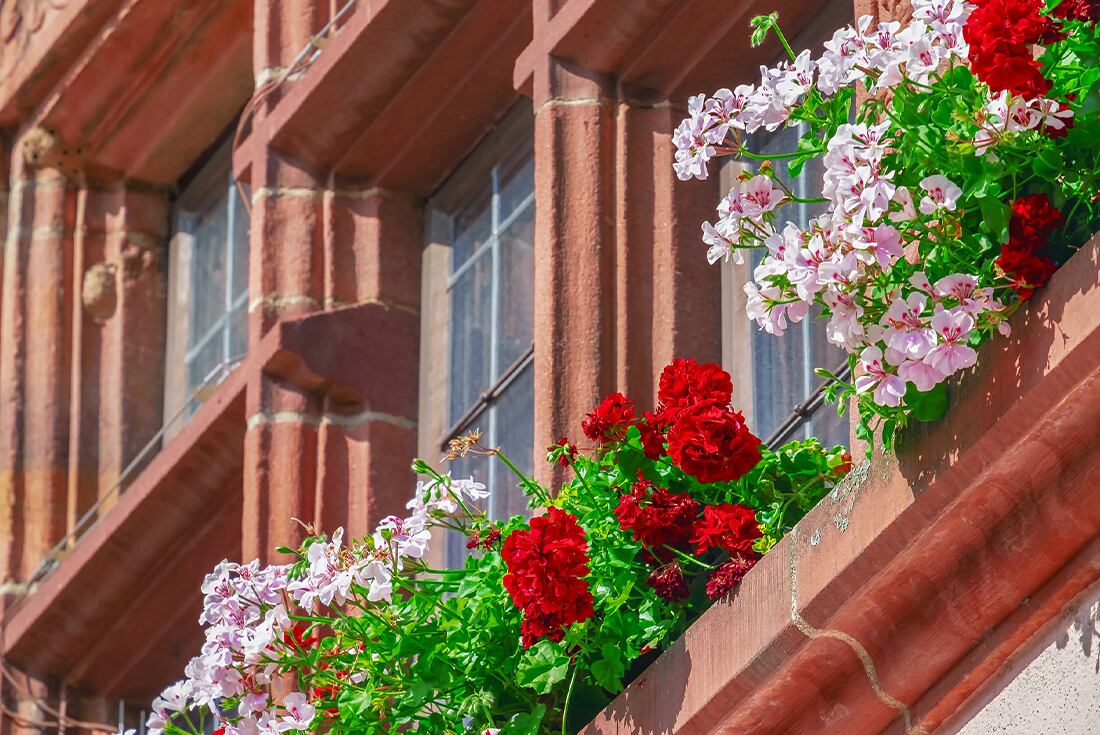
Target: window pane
(515,329)
(238,330)
(240,247)
(517,181)
(471,325)
(472,227)
(515,435)
(203,364)
(783,366)
(209,268)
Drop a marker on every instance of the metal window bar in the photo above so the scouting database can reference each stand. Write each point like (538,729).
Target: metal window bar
(499,222)
(91,517)
(802,414)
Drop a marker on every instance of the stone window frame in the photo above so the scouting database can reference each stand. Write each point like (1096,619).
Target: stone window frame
(209,179)
(436,424)
(738,330)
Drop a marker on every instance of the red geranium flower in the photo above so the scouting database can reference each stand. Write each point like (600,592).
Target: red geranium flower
(1033,219)
(566,452)
(1025,272)
(657,518)
(547,565)
(729,527)
(653,434)
(670,583)
(1083,10)
(684,383)
(300,636)
(710,442)
(1000,34)
(610,419)
(728,575)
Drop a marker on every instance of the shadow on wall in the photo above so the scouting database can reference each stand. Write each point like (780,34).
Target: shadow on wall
(1006,370)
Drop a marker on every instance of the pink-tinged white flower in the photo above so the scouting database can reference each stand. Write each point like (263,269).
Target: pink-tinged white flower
(953,354)
(469,488)
(407,537)
(941,12)
(693,147)
(905,211)
(882,242)
(771,308)
(759,195)
(1053,114)
(719,247)
(796,79)
(844,327)
(174,698)
(728,108)
(491,731)
(888,389)
(906,333)
(253,703)
(156,723)
(922,59)
(920,374)
(299,713)
(942,193)
(984,140)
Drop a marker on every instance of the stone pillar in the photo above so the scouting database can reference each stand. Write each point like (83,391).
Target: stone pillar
(132,222)
(668,297)
(622,285)
(35,361)
(333,449)
(285,281)
(373,240)
(574,252)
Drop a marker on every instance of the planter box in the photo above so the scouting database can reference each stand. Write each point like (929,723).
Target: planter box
(914,581)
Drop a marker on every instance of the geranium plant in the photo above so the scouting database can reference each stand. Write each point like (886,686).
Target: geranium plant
(956,188)
(548,618)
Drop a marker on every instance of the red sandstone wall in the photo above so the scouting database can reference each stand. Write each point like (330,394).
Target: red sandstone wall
(104,104)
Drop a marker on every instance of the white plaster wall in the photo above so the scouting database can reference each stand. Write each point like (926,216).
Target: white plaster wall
(1054,689)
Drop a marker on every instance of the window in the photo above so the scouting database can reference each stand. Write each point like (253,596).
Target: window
(780,403)
(208,292)
(485,215)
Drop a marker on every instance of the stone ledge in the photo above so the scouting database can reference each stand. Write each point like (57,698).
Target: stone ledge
(912,583)
(134,577)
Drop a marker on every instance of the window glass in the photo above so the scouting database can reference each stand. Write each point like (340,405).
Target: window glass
(211,279)
(782,367)
(490,383)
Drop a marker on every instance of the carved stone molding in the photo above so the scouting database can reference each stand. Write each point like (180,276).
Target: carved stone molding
(21,19)
(42,148)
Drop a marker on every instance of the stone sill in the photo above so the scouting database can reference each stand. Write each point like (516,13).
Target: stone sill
(910,585)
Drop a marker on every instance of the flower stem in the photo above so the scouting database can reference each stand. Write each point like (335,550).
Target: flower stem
(568,699)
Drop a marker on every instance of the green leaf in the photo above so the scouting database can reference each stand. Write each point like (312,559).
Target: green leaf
(542,666)
(609,670)
(928,405)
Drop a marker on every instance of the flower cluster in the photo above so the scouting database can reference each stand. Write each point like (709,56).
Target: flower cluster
(247,614)
(1034,218)
(547,564)
(704,436)
(1001,34)
(707,440)
(367,635)
(898,260)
